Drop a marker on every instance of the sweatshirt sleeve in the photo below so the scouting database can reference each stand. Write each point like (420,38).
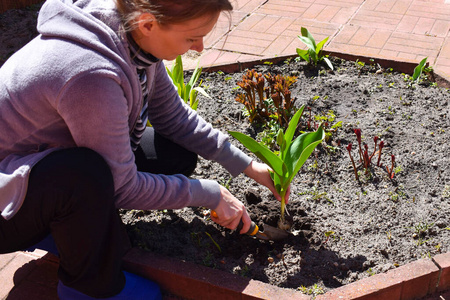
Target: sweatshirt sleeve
(171,117)
(97,115)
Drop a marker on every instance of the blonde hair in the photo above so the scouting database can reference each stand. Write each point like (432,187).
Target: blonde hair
(169,12)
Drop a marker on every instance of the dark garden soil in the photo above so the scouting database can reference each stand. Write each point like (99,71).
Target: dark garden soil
(343,229)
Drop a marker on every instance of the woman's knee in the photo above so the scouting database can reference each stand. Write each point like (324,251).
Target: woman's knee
(94,167)
(191,163)
(75,169)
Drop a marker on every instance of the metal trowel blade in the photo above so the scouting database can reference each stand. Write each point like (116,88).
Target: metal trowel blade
(273,233)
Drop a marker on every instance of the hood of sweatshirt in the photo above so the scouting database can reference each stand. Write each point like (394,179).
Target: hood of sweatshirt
(92,23)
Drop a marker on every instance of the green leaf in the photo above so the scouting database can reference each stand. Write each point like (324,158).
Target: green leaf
(303,54)
(215,243)
(202,91)
(261,151)
(301,149)
(281,142)
(310,44)
(280,139)
(418,70)
(277,183)
(290,131)
(187,92)
(193,101)
(330,65)
(320,45)
(177,71)
(286,167)
(308,35)
(169,72)
(177,76)
(337,125)
(195,75)
(314,57)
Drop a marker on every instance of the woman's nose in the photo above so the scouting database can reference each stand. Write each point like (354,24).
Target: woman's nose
(198,46)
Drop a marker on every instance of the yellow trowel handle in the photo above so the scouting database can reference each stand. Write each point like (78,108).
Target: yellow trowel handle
(252,230)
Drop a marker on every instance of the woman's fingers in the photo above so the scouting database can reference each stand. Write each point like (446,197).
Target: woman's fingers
(261,174)
(230,212)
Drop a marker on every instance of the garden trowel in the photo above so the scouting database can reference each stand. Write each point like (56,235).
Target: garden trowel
(269,233)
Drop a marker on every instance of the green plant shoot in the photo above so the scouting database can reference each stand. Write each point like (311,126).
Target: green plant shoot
(187,91)
(291,157)
(313,54)
(419,69)
(215,243)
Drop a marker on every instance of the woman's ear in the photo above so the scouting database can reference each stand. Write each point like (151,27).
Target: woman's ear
(146,23)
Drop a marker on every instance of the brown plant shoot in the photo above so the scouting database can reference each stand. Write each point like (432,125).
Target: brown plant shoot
(375,140)
(267,97)
(391,170)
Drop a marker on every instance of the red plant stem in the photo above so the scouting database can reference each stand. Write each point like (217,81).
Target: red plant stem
(360,154)
(379,153)
(357,131)
(366,155)
(392,166)
(375,139)
(366,159)
(349,148)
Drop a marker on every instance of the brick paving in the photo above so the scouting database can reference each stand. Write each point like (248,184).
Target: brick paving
(28,275)
(403,30)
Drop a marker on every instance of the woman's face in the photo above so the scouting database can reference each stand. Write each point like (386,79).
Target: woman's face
(167,42)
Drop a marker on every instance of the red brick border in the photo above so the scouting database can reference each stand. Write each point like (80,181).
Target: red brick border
(190,281)
(33,275)
(443,261)
(397,65)
(412,281)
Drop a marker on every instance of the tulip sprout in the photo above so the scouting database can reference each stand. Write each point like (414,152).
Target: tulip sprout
(291,157)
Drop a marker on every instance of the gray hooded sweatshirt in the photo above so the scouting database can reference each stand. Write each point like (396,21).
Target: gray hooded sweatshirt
(74,85)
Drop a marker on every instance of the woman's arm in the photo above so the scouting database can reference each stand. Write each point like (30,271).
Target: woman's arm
(178,122)
(96,112)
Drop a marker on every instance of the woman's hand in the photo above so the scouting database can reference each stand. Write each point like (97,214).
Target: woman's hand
(261,174)
(230,211)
